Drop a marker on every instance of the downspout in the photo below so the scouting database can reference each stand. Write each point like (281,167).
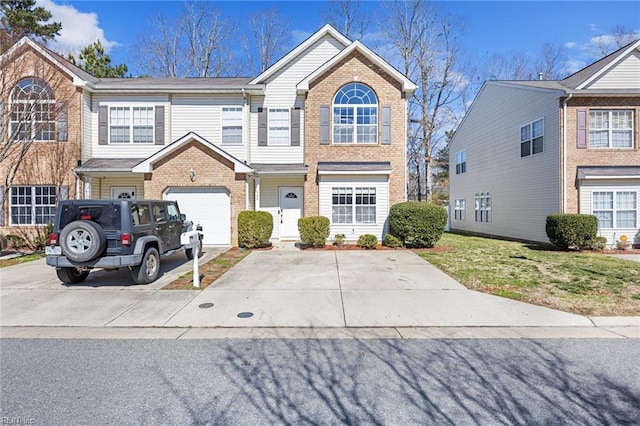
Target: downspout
(564,153)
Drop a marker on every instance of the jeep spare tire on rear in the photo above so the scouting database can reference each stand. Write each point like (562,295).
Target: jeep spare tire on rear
(82,240)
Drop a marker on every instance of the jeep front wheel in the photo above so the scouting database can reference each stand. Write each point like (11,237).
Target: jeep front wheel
(71,275)
(147,271)
(82,240)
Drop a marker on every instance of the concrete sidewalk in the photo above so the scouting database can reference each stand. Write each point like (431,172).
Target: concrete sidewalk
(284,289)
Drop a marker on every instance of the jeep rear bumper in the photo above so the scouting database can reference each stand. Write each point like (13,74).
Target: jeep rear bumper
(107,262)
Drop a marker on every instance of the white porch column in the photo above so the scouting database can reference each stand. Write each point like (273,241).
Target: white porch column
(87,187)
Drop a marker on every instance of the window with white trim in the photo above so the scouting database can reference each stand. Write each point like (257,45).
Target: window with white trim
(483,207)
(279,126)
(32,205)
(610,129)
(130,124)
(532,138)
(343,203)
(459,209)
(32,111)
(461,162)
(355,115)
(232,125)
(615,209)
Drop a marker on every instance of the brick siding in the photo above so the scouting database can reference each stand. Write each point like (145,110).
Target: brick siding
(597,157)
(212,170)
(355,68)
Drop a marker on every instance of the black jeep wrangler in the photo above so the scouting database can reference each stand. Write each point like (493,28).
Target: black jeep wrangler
(111,234)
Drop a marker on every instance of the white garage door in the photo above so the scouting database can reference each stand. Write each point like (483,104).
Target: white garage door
(211,207)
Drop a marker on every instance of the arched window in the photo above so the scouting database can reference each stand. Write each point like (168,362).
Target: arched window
(32,111)
(355,115)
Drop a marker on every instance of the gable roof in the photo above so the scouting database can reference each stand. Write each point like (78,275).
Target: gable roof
(407,85)
(146,165)
(326,30)
(586,75)
(80,77)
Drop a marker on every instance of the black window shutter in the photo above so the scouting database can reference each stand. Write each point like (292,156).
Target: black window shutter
(324,124)
(62,130)
(295,127)
(159,124)
(103,125)
(262,128)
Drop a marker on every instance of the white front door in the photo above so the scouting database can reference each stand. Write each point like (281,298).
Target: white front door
(290,211)
(123,192)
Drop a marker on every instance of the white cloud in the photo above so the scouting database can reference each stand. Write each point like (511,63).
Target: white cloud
(298,36)
(571,44)
(79,29)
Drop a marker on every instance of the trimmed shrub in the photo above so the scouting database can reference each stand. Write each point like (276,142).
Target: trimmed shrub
(367,241)
(391,241)
(314,230)
(572,230)
(600,243)
(339,240)
(254,228)
(417,224)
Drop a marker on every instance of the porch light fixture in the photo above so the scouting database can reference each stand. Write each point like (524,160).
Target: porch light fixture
(192,175)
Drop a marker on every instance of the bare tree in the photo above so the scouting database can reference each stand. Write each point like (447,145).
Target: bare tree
(347,17)
(160,56)
(269,35)
(607,43)
(194,44)
(426,43)
(550,63)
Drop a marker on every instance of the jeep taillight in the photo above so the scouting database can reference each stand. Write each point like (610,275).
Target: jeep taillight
(125,239)
(53,239)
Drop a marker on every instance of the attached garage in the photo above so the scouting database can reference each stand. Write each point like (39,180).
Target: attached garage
(211,207)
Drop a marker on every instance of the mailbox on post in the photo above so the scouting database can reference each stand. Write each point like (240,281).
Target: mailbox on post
(191,240)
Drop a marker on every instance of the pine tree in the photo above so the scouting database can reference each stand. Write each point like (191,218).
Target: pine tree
(95,61)
(19,18)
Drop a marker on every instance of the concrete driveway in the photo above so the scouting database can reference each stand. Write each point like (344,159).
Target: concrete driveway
(283,288)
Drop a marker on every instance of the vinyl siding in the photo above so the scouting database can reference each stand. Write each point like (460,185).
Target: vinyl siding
(101,187)
(87,126)
(524,190)
(352,230)
(280,92)
(625,75)
(127,150)
(585,193)
(270,197)
(203,115)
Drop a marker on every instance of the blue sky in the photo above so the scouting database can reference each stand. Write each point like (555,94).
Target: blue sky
(490,27)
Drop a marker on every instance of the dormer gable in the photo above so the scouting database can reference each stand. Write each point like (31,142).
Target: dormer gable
(77,75)
(326,31)
(618,70)
(408,87)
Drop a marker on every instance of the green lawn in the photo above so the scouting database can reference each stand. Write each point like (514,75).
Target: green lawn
(21,259)
(579,282)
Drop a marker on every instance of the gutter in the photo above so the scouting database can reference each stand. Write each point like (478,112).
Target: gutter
(564,153)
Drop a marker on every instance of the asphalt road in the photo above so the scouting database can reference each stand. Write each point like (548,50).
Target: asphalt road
(295,381)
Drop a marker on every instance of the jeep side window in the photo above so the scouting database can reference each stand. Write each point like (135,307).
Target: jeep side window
(173,212)
(159,213)
(139,214)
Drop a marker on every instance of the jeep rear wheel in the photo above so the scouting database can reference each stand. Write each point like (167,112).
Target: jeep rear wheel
(82,240)
(71,275)
(147,271)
